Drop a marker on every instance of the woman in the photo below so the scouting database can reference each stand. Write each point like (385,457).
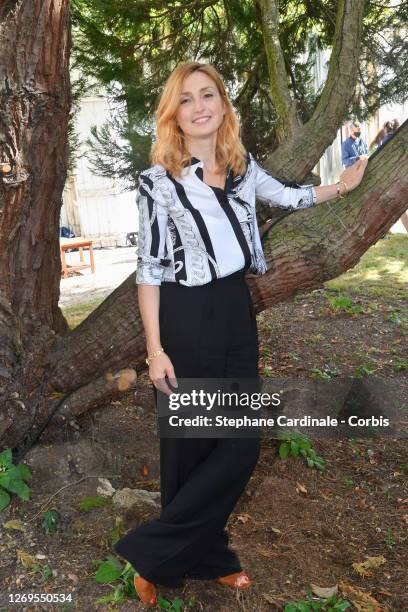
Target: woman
(383,135)
(197,236)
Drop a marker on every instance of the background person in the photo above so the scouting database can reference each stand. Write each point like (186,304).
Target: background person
(390,133)
(382,135)
(354,146)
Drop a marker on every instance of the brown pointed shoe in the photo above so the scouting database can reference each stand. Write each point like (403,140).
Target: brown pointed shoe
(146,591)
(239,580)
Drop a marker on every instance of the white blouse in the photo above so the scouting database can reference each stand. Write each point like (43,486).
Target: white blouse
(192,233)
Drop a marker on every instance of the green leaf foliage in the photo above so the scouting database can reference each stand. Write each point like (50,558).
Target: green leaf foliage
(130,47)
(50,521)
(93,501)
(12,479)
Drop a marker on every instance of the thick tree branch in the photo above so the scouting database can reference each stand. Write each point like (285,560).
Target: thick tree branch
(343,66)
(331,237)
(99,391)
(109,339)
(285,107)
(299,153)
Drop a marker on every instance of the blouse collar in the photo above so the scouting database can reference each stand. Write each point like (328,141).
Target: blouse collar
(232,180)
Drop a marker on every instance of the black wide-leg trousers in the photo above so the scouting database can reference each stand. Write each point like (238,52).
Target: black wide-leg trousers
(208,331)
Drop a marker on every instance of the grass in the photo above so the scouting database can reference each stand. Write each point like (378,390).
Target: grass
(78,313)
(381,272)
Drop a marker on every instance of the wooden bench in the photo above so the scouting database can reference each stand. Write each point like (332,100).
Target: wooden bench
(76,243)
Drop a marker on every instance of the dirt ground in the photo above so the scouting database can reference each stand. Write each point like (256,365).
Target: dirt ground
(293,526)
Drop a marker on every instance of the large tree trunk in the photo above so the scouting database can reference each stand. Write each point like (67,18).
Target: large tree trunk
(34,102)
(34,112)
(48,372)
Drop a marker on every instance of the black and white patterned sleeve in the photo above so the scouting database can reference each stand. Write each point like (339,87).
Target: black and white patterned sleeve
(151,248)
(275,193)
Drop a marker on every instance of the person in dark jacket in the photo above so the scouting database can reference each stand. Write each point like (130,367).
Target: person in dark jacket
(354,146)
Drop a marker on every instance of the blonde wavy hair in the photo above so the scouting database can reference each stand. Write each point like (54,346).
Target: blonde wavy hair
(169,149)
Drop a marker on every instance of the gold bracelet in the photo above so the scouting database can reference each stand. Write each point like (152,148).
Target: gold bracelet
(153,355)
(338,189)
(345,186)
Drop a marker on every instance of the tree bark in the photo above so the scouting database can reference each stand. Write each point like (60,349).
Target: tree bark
(34,103)
(288,121)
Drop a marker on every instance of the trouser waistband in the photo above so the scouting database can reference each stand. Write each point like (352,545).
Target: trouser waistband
(239,275)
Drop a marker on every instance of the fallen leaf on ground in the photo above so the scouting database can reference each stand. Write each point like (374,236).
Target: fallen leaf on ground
(385,592)
(362,601)
(324,592)
(326,494)
(370,563)
(26,559)
(276,600)
(243,518)
(300,488)
(14,524)
(73,577)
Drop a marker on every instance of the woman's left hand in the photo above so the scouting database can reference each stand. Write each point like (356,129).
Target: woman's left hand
(353,175)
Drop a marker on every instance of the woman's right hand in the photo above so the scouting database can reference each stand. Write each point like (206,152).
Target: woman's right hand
(353,175)
(159,368)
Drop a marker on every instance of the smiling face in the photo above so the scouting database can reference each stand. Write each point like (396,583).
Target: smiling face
(201,109)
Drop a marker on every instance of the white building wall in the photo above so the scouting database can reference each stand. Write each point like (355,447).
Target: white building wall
(98,210)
